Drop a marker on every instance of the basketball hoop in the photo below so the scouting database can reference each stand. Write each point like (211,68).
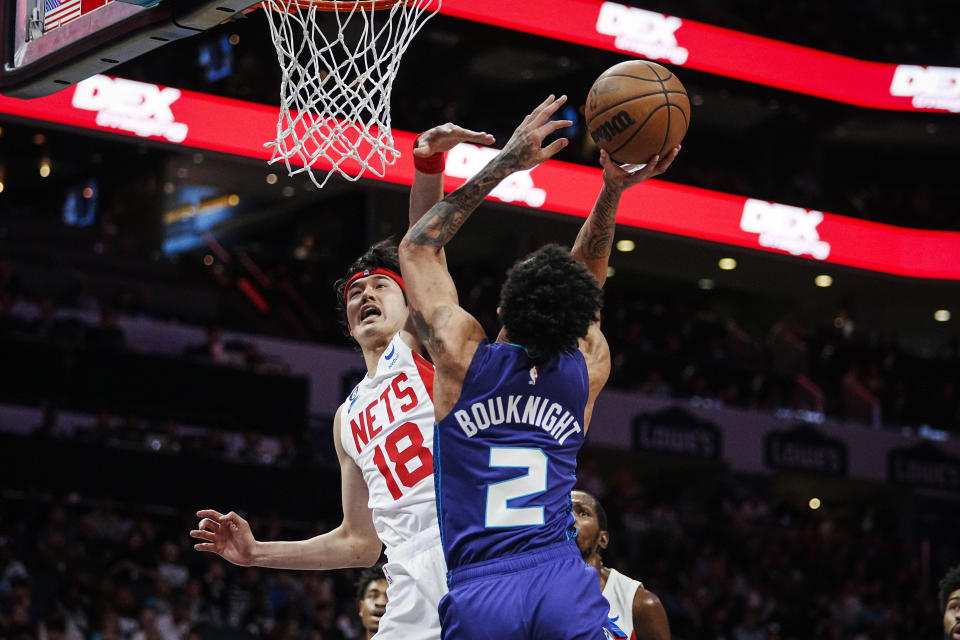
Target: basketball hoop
(338,61)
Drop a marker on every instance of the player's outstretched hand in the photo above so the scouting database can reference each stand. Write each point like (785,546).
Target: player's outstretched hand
(621,177)
(445,137)
(227,535)
(525,148)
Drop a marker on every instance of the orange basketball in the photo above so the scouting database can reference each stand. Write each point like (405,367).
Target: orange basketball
(636,109)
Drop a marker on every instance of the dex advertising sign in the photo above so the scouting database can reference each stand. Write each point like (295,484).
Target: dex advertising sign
(195,120)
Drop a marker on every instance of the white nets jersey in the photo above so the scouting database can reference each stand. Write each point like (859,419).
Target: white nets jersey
(387,428)
(619,592)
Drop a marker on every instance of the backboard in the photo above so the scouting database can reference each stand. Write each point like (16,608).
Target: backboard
(47,45)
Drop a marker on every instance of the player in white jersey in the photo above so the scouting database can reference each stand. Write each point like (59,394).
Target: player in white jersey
(638,612)
(383,435)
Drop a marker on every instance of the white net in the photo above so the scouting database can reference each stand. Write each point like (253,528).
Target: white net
(338,69)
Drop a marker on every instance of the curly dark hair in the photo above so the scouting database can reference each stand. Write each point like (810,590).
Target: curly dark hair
(549,301)
(367,576)
(949,584)
(382,255)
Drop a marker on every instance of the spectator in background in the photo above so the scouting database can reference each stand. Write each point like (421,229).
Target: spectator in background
(372,599)
(950,603)
(10,569)
(307,249)
(9,278)
(213,349)
(107,335)
(635,610)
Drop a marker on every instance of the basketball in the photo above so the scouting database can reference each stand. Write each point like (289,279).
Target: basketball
(636,109)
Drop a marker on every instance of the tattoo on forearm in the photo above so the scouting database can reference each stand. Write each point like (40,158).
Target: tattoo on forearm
(444,219)
(596,237)
(428,331)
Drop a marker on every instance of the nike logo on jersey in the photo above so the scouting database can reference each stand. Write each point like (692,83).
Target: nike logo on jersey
(536,412)
(398,398)
(393,349)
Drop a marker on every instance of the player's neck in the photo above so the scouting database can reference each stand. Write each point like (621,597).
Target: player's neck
(372,353)
(604,573)
(596,562)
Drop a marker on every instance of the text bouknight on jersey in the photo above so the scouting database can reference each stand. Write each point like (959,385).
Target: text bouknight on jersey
(790,229)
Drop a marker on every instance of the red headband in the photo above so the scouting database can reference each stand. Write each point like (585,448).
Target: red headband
(393,275)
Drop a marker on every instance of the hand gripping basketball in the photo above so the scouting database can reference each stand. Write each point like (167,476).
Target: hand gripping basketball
(525,148)
(620,177)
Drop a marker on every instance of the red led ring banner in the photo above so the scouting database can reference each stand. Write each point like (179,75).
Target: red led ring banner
(733,54)
(197,120)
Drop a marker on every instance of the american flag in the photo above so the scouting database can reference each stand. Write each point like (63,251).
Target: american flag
(59,12)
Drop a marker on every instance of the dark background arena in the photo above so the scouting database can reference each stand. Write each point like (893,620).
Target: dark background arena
(138,384)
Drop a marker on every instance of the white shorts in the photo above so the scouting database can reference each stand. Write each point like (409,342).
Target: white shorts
(416,581)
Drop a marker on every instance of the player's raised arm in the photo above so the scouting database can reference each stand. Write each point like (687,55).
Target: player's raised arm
(595,239)
(592,248)
(429,157)
(447,331)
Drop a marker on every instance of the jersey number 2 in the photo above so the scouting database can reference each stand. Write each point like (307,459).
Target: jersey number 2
(401,457)
(499,493)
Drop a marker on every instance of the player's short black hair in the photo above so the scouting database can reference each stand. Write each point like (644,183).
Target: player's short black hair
(949,584)
(602,521)
(382,255)
(368,575)
(549,301)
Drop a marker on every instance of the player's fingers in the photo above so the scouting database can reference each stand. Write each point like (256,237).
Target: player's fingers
(555,125)
(535,114)
(479,138)
(608,164)
(231,519)
(650,168)
(209,513)
(202,534)
(665,163)
(205,546)
(554,148)
(547,112)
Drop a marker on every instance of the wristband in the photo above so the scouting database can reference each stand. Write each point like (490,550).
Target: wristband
(431,164)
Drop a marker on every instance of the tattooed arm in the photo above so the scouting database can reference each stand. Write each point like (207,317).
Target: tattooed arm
(596,235)
(450,334)
(592,248)
(427,189)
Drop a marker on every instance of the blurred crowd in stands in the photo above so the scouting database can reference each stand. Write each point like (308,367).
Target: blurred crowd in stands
(728,560)
(661,345)
(77,569)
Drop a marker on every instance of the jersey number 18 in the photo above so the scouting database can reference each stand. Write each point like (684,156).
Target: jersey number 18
(400,458)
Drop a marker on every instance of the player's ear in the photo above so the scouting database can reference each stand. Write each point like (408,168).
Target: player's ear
(603,540)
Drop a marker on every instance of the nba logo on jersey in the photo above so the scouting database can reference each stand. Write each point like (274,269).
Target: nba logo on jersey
(534,374)
(386,574)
